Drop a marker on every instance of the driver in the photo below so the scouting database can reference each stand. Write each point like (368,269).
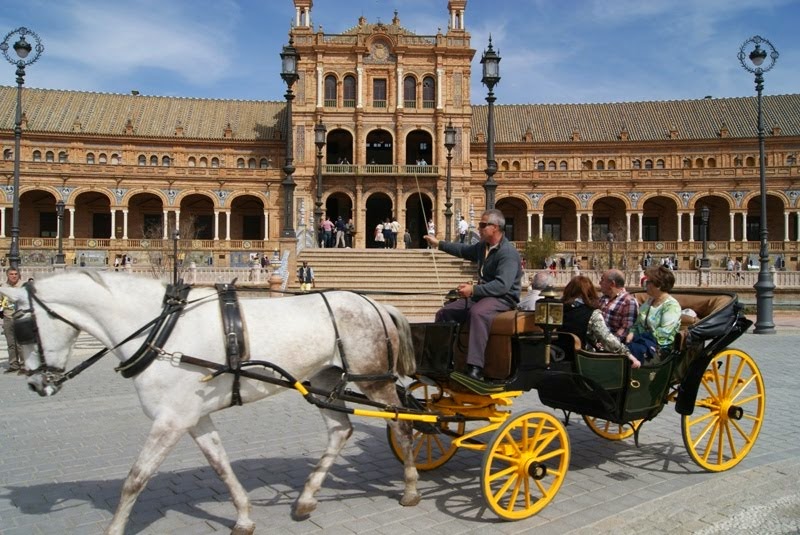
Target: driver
(497,290)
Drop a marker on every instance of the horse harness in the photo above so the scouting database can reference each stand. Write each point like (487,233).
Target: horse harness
(161,327)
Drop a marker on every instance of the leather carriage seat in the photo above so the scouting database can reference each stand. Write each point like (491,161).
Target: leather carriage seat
(514,322)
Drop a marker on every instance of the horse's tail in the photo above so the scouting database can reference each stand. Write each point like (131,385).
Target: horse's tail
(406,361)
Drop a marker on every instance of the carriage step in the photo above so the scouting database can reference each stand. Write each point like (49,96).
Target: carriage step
(479,387)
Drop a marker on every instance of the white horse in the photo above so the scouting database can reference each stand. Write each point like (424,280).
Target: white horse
(295,333)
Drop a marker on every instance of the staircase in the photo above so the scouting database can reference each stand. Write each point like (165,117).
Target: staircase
(424,274)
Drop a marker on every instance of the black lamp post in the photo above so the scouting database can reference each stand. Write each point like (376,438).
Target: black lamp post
(289,59)
(175,237)
(765,286)
(610,238)
(705,263)
(60,211)
(491,76)
(23,49)
(449,143)
(319,141)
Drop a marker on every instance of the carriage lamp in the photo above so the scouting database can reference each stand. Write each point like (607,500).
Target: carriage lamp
(23,58)
(549,315)
(765,286)
(491,77)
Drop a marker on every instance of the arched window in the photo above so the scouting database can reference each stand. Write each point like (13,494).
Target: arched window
(90,157)
(612,165)
(409,92)
(588,165)
(750,162)
(251,163)
(165,161)
(349,90)
(154,160)
(330,91)
(142,159)
(687,163)
(551,165)
(214,162)
(515,166)
(648,164)
(540,165)
(192,162)
(48,156)
(563,165)
(203,162)
(62,157)
(8,154)
(712,162)
(637,164)
(791,160)
(600,165)
(504,166)
(737,162)
(699,163)
(102,158)
(115,159)
(264,163)
(240,163)
(428,92)
(659,164)
(37,156)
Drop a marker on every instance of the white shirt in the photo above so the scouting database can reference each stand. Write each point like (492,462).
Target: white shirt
(462,226)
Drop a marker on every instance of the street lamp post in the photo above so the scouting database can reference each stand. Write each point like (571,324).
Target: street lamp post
(319,141)
(175,237)
(705,263)
(24,58)
(491,76)
(765,286)
(449,143)
(60,211)
(289,59)
(610,238)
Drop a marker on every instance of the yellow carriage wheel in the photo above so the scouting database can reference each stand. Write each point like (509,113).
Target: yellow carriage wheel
(609,430)
(431,450)
(524,465)
(728,412)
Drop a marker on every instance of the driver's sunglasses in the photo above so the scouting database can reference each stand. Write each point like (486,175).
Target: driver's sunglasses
(484,224)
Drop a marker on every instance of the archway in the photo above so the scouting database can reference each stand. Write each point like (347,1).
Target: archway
(339,204)
(379,147)
(379,207)
(37,215)
(516,218)
(419,146)
(93,217)
(197,218)
(339,147)
(608,215)
(558,219)
(775,210)
(659,220)
(145,216)
(247,218)
(718,218)
(419,209)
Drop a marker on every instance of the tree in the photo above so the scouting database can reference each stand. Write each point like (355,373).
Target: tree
(161,252)
(537,250)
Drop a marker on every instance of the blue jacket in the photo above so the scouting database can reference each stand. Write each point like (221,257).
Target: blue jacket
(499,272)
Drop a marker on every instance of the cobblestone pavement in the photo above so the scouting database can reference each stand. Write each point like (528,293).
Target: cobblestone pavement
(64,460)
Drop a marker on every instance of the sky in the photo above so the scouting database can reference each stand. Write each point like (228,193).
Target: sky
(553,51)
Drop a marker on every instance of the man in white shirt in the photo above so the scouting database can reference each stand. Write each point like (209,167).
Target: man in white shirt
(463,227)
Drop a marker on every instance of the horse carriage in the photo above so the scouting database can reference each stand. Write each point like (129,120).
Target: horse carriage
(718,391)
(191,351)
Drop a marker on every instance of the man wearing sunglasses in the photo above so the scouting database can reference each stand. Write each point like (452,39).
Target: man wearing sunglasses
(497,289)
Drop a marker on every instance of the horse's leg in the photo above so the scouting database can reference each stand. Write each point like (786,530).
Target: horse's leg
(207,438)
(387,393)
(162,438)
(339,430)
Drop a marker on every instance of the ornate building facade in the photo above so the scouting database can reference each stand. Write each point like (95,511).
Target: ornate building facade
(128,167)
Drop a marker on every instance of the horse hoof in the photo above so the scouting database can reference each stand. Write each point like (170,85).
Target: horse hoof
(410,500)
(244,529)
(302,511)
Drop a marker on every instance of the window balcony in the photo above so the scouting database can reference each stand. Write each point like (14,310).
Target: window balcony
(379,169)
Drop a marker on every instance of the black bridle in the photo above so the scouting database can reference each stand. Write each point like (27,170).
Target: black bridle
(26,332)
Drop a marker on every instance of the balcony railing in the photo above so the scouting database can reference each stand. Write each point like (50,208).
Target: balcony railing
(379,169)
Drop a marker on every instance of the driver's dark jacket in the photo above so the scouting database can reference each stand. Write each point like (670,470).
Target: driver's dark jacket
(499,272)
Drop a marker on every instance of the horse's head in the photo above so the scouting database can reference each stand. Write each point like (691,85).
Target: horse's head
(44,337)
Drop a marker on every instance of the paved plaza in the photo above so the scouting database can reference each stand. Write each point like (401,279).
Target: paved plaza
(64,460)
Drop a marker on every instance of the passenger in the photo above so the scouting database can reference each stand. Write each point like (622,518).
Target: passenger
(497,290)
(619,308)
(541,280)
(659,317)
(582,317)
